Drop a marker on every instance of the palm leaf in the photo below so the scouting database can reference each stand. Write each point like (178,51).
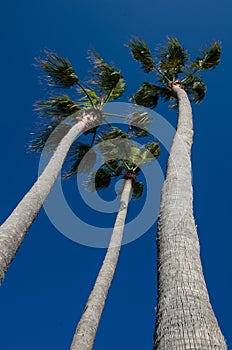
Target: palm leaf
(61,106)
(210,57)
(172,58)
(145,154)
(59,71)
(107,78)
(154,149)
(142,54)
(137,190)
(112,144)
(50,135)
(198,91)
(135,155)
(118,89)
(194,87)
(98,180)
(140,120)
(139,123)
(89,97)
(147,95)
(117,148)
(115,166)
(115,133)
(83,158)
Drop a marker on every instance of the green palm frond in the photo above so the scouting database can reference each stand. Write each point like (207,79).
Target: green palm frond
(115,167)
(82,157)
(198,91)
(141,120)
(154,149)
(122,157)
(135,131)
(194,86)
(123,149)
(113,134)
(137,190)
(209,58)
(112,143)
(107,78)
(147,95)
(50,135)
(172,65)
(145,154)
(88,97)
(57,108)
(118,89)
(134,156)
(117,148)
(139,123)
(142,54)
(172,58)
(59,71)
(60,106)
(98,180)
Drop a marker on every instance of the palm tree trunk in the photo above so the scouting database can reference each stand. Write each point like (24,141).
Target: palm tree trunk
(14,229)
(87,327)
(185,318)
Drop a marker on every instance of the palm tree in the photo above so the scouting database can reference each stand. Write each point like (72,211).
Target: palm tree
(116,144)
(70,119)
(185,318)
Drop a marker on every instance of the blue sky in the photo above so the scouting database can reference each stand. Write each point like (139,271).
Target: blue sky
(47,285)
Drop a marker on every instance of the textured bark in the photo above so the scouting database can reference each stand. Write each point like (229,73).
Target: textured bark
(87,327)
(14,229)
(185,318)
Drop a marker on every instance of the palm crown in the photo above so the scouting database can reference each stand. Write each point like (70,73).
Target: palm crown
(107,84)
(172,64)
(122,158)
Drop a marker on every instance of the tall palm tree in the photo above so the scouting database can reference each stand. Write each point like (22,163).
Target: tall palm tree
(185,318)
(128,166)
(70,120)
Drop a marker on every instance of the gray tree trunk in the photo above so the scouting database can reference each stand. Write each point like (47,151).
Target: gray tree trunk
(14,229)
(185,318)
(87,327)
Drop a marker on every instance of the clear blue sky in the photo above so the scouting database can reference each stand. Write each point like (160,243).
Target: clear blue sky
(46,287)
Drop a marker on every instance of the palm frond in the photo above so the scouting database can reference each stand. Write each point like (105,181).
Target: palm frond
(49,136)
(198,91)
(142,54)
(194,86)
(88,97)
(209,58)
(112,143)
(113,134)
(98,180)
(137,190)
(135,156)
(139,123)
(154,149)
(172,58)
(59,71)
(115,166)
(140,120)
(147,95)
(107,78)
(82,157)
(145,154)
(118,89)
(117,148)
(60,106)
